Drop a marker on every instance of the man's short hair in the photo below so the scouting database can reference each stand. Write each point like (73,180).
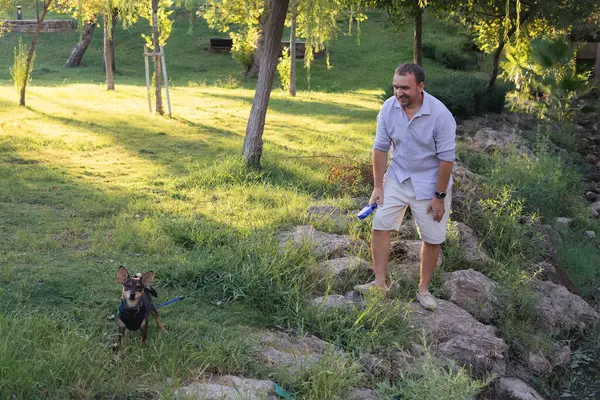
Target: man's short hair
(411,68)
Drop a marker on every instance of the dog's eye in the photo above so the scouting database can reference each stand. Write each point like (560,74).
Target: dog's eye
(138,287)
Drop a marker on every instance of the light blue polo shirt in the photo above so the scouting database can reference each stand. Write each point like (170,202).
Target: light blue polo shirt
(417,145)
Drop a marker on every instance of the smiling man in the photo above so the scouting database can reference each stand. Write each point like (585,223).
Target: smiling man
(421,132)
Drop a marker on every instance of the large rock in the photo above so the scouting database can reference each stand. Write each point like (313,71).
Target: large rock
(389,363)
(470,246)
(292,353)
(328,214)
(560,311)
(538,363)
(472,291)
(458,336)
(506,388)
(337,300)
(324,245)
(337,272)
(229,388)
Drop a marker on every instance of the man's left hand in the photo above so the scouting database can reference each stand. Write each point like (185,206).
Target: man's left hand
(437,208)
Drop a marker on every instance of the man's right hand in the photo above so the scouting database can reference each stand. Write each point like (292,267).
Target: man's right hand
(377,197)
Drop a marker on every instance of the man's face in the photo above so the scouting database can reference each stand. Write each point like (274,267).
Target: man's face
(407,90)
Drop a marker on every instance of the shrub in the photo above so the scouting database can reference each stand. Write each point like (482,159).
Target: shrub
(19,68)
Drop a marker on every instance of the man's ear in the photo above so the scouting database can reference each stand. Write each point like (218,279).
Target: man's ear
(421,86)
(122,275)
(147,278)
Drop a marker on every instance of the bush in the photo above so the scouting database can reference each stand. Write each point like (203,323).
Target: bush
(464,99)
(452,55)
(18,71)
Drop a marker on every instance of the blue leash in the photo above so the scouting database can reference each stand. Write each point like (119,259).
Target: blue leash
(166,303)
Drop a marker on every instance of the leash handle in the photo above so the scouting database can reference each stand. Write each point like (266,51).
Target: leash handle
(166,303)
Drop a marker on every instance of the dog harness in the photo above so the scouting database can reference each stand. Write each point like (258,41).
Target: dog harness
(132,317)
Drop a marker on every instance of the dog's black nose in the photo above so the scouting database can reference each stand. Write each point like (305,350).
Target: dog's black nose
(132,295)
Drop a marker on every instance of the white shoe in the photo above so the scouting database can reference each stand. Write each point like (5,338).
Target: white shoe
(366,288)
(427,301)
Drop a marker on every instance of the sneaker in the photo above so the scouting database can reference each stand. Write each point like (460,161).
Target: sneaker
(366,288)
(427,301)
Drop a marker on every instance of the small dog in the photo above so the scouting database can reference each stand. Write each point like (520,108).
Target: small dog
(135,304)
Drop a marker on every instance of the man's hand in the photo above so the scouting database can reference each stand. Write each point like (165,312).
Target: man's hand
(437,208)
(377,196)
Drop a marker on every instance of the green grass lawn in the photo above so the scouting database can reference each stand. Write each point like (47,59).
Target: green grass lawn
(90,180)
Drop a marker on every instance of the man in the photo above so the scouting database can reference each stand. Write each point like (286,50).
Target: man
(421,132)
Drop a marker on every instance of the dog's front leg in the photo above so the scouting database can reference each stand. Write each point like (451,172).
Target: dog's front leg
(160,325)
(121,326)
(144,330)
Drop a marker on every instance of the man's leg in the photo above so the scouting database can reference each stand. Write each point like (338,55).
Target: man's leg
(429,257)
(380,249)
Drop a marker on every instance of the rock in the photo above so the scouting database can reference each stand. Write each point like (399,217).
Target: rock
(560,356)
(331,214)
(408,252)
(590,234)
(538,363)
(490,140)
(560,311)
(408,230)
(472,291)
(465,191)
(404,272)
(470,246)
(341,269)
(591,196)
(546,270)
(458,336)
(506,388)
(229,388)
(387,364)
(550,239)
(562,222)
(555,274)
(362,394)
(292,353)
(596,206)
(333,301)
(325,245)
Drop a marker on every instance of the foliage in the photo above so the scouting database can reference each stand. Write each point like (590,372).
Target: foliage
(18,71)
(545,77)
(165,24)
(284,70)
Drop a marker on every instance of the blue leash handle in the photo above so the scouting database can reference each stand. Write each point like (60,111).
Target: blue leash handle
(166,303)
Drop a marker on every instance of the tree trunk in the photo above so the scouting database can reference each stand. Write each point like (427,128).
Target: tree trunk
(252,150)
(111,42)
(260,41)
(293,53)
(157,64)
(108,61)
(79,50)
(418,40)
(36,35)
(498,52)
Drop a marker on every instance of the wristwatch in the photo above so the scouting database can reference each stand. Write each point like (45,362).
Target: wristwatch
(439,195)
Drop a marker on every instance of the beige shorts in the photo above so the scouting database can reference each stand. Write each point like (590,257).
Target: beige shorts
(396,197)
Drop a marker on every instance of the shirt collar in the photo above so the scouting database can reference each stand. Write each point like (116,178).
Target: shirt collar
(425,107)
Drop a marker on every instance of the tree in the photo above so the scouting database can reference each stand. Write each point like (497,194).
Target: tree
(399,10)
(78,52)
(252,149)
(46,5)
(496,22)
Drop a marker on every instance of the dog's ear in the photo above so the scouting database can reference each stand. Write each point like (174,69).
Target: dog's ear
(122,275)
(147,278)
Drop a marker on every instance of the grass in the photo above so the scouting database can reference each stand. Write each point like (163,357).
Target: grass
(89,180)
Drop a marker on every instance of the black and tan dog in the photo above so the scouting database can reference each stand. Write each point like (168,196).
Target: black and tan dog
(135,305)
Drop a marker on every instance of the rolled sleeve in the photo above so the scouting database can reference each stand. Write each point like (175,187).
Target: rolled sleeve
(445,138)
(383,141)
